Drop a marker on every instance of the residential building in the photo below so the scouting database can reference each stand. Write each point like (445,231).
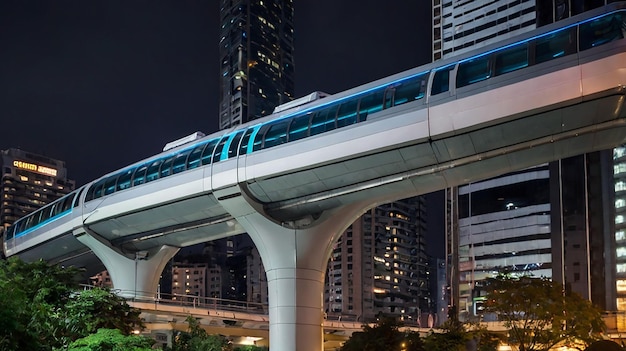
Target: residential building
(379,266)
(29,181)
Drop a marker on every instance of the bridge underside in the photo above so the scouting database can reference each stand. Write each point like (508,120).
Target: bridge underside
(593,124)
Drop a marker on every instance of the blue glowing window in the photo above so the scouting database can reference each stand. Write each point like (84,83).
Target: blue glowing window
(511,59)
(371,103)
(193,160)
(276,134)
(123,182)
(299,127)
(347,113)
(473,71)
(602,30)
(555,45)
(139,177)
(324,120)
(153,170)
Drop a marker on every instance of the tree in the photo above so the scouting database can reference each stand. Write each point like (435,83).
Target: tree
(31,294)
(90,310)
(454,337)
(197,339)
(42,308)
(111,340)
(540,314)
(385,335)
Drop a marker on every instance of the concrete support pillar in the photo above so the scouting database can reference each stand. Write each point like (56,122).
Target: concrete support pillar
(133,277)
(295,259)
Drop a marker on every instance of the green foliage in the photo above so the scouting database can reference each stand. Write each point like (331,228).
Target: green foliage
(196,339)
(42,309)
(111,340)
(31,295)
(385,335)
(540,314)
(454,336)
(90,310)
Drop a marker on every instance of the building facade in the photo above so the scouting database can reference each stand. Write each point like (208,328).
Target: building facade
(463,25)
(379,266)
(29,181)
(256,58)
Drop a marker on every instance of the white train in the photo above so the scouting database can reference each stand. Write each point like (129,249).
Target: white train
(577,60)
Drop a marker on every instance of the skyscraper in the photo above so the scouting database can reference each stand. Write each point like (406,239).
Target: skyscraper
(257,62)
(379,266)
(29,181)
(555,220)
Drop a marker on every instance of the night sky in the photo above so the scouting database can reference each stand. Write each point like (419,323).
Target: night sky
(103,84)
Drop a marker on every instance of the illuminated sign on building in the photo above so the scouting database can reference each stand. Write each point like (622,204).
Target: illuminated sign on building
(35,168)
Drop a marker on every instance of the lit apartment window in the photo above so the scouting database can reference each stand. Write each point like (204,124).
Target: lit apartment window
(618,152)
(619,219)
(23,178)
(620,235)
(619,186)
(619,203)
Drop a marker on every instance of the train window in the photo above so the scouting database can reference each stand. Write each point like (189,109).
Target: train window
(208,152)
(511,59)
(49,211)
(243,148)
(57,208)
(371,103)
(276,134)
(123,182)
(179,162)
(193,160)
(35,218)
(166,167)
(109,185)
(67,203)
(347,113)
(441,81)
(409,90)
(389,93)
(76,200)
(258,139)
(139,177)
(323,120)
(299,127)
(153,170)
(217,154)
(95,191)
(234,144)
(602,30)
(10,233)
(473,71)
(555,45)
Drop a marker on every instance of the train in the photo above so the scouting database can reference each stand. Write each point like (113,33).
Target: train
(579,57)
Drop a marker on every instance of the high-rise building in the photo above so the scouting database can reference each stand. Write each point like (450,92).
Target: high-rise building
(29,181)
(460,26)
(554,220)
(379,266)
(256,58)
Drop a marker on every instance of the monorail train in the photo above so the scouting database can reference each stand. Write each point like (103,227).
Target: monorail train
(583,56)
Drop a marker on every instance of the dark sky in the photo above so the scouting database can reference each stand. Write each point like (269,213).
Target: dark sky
(103,84)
